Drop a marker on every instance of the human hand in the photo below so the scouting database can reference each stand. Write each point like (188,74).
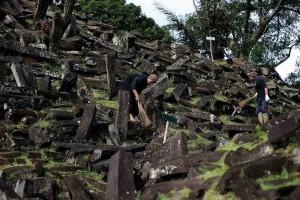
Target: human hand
(137,98)
(267,98)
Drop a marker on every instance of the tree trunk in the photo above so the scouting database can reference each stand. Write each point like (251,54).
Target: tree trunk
(41,10)
(68,10)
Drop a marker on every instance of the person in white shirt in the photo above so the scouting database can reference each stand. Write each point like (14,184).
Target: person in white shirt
(228,55)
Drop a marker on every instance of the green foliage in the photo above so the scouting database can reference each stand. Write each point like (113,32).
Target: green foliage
(124,16)
(261,31)
(53,67)
(257,54)
(179,25)
(210,19)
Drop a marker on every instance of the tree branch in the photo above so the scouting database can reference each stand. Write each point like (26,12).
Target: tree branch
(260,10)
(247,17)
(291,9)
(264,22)
(276,10)
(289,54)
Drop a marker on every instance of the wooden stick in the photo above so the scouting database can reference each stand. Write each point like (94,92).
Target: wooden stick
(166,132)
(245,102)
(143,116)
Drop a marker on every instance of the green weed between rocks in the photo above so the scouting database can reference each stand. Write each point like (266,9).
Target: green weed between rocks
(193,144)
(288,179)
(99,96)
(43,124)
(218,171)
(176,194)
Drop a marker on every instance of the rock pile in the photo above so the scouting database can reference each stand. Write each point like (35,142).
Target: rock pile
(64,131)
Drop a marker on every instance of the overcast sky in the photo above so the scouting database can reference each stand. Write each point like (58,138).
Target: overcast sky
(182,7)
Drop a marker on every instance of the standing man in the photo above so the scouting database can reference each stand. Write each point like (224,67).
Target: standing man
(228,55)
(262,97)
(135,84)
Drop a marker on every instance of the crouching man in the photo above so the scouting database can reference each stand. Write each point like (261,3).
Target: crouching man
(135,84)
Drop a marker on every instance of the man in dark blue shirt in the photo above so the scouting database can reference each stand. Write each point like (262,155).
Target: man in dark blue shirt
(135,84)
(262,97)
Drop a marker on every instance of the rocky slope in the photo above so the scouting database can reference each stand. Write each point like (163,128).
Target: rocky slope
(62,126)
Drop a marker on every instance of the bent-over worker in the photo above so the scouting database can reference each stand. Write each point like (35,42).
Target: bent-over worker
(135,84)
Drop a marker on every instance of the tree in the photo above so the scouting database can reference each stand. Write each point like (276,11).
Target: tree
(210,19)
(124,16)
(261,30)
(179,25)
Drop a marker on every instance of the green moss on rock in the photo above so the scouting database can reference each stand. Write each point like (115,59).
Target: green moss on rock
(194,144)
(43,124)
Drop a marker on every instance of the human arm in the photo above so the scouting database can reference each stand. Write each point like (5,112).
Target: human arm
(267,98)
(137,96)
(266,91)
(134,86)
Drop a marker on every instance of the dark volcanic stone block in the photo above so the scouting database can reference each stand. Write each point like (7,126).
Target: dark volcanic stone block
(7,192)
(197,186)
(111,78)
(244,138)
(120,182)
(265,166)
(239,127)
(45,83)
(40,186)
(18,74)
(171,168)
(68,83)
(282,129)
(175,147)
(122,114)
(178,145)
(179,90)
(246,189)
(155,90)
(75,189)
(228,180)
(40,136)
(242,155)
(86,122)
(272,164)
